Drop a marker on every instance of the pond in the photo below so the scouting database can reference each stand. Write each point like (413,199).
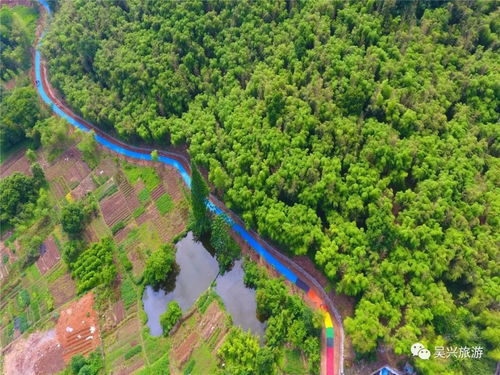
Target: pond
(198,269)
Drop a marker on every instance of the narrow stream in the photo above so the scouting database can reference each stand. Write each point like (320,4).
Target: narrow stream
(198,268)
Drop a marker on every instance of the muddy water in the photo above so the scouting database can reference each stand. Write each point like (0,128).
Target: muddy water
(198,268)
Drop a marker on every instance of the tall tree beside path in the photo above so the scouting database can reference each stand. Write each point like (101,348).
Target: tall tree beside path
(200,221)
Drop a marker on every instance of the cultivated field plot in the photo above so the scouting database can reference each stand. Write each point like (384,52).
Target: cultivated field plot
(59,187)
(96,230)
(49,255)
(106,168)
(24,305)
(63,288)
(7,257)
(69,165)
(86,186)
(129,194)
(16,163)
(115,209)
(125,339)
(198,340)
(77,328)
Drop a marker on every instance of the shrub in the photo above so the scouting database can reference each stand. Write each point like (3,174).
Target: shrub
(95,266)
(132,352)
(129,295)
(144,195)
(117,227)
(138,212)
(170,317)
(164,204)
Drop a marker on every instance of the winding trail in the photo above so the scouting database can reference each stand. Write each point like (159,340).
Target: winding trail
(332,361)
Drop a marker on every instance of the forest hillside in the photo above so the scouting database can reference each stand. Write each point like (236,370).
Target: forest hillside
(363,134)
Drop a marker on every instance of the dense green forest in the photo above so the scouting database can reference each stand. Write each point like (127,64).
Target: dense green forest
(17,29)
(361,133)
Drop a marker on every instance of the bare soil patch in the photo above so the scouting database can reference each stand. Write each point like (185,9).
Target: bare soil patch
(113,316)
(38,354)
(129,194)
(106,167)
(130,368)
(16,163)
(123,233)
(114,209)
(49,255)
(63,290)
(86,186)
(77,328)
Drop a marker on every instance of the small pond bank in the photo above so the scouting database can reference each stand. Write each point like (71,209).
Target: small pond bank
(197,270)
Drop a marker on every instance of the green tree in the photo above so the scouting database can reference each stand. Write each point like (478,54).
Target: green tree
(226,248)
(94,266)
(71,250)
(170,317)
(38,175)
(159,266)
(53,135)
(73,218)
(31,155)
(20,111)
(88,147)
(200,222)
(239,352)
(16,191)
(154,155)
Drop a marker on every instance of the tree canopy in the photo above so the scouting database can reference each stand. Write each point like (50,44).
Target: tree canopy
(171,315)
(15,192)
(159,266)
(200,220)
(361,133)
(17,28)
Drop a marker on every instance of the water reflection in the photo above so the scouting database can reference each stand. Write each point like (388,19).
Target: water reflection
(198,268)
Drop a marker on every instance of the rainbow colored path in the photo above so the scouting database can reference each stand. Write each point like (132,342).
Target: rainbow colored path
(142,154)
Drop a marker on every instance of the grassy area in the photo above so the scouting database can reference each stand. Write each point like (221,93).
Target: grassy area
(138,212)
(105,191)
(155,347)
(128,292)
(164,204)
(205,361)
(28,303)
(147,174)
(293,364)
(158,367)
(144,195)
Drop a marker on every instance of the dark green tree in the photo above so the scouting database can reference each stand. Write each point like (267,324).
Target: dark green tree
(73,218)
(226,248)
(200,220)
(38,175)
(15,192)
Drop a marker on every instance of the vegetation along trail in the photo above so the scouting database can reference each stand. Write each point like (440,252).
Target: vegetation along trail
(333,341)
